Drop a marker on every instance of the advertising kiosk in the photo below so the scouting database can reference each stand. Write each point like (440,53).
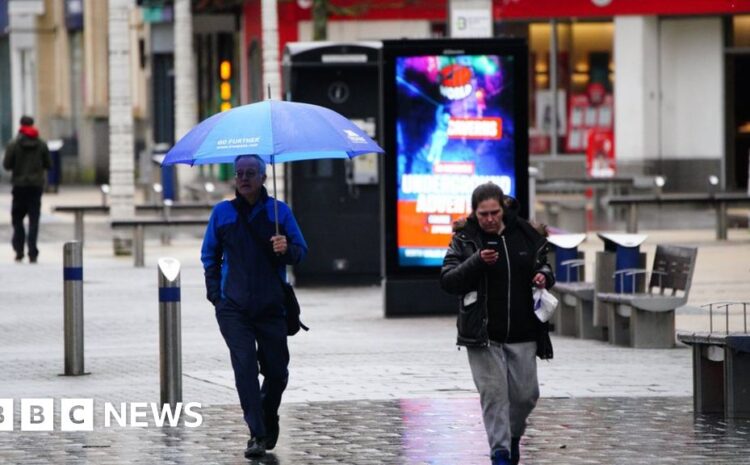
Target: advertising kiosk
(454,116)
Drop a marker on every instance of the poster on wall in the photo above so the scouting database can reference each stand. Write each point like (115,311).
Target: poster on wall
(454,121)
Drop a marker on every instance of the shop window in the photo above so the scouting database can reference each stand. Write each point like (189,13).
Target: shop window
(584,60)
(741,31)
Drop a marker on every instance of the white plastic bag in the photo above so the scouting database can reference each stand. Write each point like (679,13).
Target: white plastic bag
(544,304)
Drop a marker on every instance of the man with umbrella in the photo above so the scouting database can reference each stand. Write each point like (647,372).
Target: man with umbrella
(244,259)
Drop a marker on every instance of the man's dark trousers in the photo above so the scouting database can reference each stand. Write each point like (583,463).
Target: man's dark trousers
(27,200)
(241,332)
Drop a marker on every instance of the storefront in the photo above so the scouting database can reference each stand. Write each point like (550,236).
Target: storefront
(666,81)
(738,100)
(632,76)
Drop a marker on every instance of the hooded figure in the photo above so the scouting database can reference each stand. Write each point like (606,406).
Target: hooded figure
(27,157)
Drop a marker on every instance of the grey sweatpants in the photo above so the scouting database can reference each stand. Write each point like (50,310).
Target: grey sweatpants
(505,376)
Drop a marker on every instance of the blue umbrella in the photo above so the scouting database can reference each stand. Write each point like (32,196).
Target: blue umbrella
(277,131)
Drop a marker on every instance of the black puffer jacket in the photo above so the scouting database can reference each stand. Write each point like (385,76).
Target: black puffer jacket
(465,274)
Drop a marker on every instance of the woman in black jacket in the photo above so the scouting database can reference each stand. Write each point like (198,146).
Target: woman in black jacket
(494,260)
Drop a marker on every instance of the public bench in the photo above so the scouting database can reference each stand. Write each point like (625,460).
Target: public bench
(138,225)
(721,368)
(80,210)
(718,200)
(649,316)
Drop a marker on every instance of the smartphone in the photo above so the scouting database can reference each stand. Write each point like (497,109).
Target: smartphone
(493,244)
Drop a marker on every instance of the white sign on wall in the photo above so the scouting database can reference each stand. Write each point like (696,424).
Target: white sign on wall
(471,22)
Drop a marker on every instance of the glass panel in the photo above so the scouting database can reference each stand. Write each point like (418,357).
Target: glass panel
(741,27)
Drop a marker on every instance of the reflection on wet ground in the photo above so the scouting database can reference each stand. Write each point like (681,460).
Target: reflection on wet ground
(413,431)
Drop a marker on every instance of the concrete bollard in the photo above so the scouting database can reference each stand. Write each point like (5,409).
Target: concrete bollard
(170,333)
(73,303)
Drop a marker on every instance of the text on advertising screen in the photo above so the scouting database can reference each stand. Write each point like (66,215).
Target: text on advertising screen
(454,131)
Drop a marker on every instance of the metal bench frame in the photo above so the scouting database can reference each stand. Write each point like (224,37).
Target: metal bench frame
(138,226)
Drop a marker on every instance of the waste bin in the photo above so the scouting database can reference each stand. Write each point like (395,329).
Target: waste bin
(565,247)
(621,251)
(54,174)
(626,248)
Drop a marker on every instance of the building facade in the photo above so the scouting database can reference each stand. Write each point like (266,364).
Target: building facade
(664,78)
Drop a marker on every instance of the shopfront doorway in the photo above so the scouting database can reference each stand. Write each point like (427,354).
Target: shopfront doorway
(738,102)
(740,114)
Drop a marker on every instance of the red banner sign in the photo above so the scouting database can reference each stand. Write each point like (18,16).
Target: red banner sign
(529,9)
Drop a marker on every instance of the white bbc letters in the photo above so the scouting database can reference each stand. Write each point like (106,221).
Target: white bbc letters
(37,414)
(6,414)
(77,414)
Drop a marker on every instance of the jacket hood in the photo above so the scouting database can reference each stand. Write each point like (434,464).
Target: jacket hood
(29,131)
(511,207)
(28,137)
(510,216)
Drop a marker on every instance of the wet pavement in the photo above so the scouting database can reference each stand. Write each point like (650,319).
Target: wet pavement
(412,431)
(363,389)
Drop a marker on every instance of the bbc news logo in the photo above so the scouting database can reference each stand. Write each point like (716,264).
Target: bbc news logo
(78,414)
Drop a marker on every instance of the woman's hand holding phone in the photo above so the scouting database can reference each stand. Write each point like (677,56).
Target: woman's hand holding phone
(490,253)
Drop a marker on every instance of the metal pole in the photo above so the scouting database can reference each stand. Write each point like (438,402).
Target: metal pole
(79,225)
(533,172)
(553,83)
(632,226)
(73,312)
(275,196)
(721,221)
(166,235)
(170,334)
(138,245)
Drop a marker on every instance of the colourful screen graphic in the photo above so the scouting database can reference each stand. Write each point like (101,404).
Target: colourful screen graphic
(454,131)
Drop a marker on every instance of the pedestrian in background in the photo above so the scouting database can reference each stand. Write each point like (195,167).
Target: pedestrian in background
(494,260)
(27,157)
(244,261)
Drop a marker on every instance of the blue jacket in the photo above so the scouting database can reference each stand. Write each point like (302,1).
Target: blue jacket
(238,271)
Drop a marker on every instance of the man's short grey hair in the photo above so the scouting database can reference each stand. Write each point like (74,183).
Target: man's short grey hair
(261,163)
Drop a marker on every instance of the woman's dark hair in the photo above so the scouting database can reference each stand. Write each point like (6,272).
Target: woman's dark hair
(484,192)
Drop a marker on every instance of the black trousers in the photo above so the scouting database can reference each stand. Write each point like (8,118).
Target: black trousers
(27,200)
(255,341)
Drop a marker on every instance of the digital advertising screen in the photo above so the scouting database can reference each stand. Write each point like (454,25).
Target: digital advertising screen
(457,119)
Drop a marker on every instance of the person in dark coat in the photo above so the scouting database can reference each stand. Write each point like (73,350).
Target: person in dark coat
(245,262)
(494,260)
(27,157)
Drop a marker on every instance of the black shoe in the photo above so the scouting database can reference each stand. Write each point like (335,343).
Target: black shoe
(272,431)
(256,447)
(501,457)
(19,258)
(32,259)
(515,450)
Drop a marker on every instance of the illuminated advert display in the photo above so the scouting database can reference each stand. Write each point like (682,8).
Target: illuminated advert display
(455,121)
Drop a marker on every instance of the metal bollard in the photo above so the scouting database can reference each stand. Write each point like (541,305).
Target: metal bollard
(170,333)
(78,225)
(73,298)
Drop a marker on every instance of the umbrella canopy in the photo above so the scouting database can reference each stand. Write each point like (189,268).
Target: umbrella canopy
(278,131)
